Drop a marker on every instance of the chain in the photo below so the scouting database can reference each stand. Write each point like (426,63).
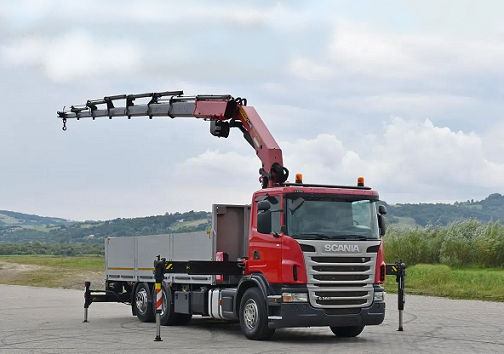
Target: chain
(64,124)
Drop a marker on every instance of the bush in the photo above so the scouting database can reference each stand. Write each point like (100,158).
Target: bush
(65,249)
(462,243)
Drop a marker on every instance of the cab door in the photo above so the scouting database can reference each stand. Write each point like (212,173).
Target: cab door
(265,251)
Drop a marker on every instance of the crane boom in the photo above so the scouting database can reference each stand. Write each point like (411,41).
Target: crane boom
(223,112)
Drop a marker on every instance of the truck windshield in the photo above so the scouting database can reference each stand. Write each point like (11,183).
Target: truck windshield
(327,218)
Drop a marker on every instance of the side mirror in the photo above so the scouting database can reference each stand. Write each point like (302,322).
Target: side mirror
(263,205)
(382,210)
(264,221)
(381,224)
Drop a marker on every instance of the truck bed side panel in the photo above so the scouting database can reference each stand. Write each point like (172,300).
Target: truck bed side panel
(132,258)
(120,258)
(147,250)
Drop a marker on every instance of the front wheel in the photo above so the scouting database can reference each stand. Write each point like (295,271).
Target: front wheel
(352,331)
(254,315)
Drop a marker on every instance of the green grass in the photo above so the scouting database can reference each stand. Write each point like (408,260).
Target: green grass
(87,226)
(51,271)
(83,263)
(41,228)
(8,219)
(443,281)
(177,225)
(421,279)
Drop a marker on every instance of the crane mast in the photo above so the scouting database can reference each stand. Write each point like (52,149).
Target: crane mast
(222,111)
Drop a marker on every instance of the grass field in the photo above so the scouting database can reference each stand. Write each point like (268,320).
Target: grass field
(52,271)
(179,224)
(441,280)
(421,279)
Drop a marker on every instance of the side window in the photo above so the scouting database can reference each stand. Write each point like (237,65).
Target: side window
(275,216)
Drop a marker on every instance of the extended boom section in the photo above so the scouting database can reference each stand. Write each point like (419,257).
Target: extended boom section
(223,112)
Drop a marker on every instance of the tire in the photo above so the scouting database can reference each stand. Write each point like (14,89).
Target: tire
(254,315)
(167,317)
(142,303)
(347,332)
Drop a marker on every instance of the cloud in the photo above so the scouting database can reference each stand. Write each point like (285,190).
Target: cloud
(74,55)
(409,161)
(360,49)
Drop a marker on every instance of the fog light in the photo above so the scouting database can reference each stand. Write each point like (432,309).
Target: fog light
(295,297)
(379,296)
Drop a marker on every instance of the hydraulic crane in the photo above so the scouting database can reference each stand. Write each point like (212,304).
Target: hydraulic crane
(299,255)
(223,112)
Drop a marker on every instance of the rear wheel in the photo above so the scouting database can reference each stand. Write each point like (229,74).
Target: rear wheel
(352,331)
(254,315)
(142,303)
(167,316)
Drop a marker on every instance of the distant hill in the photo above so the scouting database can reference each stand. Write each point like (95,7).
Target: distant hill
(18,227)
(11,218)
(96,231)
(490,208)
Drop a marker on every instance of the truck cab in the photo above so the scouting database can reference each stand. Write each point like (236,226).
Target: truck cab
(319,249)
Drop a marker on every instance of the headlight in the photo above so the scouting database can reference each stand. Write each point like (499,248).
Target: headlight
(379,296)
(295,297)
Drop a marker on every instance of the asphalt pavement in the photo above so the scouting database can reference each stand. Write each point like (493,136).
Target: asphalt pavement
(41,320)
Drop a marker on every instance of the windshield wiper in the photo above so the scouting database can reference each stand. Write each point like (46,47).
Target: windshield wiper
(353,237)
(311,236)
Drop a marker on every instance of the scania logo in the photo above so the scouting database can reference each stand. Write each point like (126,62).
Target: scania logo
(340,248)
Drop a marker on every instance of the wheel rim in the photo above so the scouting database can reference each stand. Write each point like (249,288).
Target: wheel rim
(141,300)
(251,314)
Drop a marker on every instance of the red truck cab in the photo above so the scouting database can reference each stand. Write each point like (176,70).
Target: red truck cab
(319,250)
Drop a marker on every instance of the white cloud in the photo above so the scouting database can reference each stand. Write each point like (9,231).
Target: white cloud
(410,159)
(359,49)
(74,55)
(215,167)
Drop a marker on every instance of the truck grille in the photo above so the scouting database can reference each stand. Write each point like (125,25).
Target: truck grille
(340,282)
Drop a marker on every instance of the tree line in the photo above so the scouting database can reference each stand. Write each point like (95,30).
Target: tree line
(96,231)
(54,249)
(490,208)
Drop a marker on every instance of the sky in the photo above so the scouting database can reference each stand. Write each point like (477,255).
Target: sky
(407,94)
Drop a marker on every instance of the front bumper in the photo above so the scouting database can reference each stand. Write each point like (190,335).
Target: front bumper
(305,315)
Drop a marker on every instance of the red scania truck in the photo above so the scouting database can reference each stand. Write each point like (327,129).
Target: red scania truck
(299,255)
